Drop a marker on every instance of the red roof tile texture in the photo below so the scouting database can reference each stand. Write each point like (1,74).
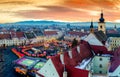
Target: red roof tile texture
(100,50)
(72,62)
(112,31)
(58,65)
(115,62)
(20,34)
(5,36)
(17,34)
(77,33)
(85,52)
(74,72)
(50,32)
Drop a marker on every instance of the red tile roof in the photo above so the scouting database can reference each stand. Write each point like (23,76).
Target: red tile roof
(74,72)
(76,33)
(114,65)
(17,34)
(20,34)
(13,34)
(100,50)
(72,62)
(112,31)
(115,60)
(50,32)
(58,65)
(97,49)
(5,36)
(69,61)
(85,51)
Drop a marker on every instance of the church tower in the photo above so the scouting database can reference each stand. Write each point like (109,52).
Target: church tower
(101,24)
(91,27)
(115,28)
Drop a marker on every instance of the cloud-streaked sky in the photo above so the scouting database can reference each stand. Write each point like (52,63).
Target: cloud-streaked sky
(61,10)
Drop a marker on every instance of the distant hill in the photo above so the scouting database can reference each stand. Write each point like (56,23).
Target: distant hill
(46,22)
(39,22)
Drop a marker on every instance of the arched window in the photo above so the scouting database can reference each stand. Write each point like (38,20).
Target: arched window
(101,26)
(100,72)
(100,59)
(100,65)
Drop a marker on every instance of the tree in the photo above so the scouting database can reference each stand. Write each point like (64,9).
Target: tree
(74,43)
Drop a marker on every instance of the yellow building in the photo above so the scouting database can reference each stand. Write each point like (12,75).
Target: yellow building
(114,43)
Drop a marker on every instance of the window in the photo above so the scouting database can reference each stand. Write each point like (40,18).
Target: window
(53,74)
(45,71)
(100,72)
(100,26)
(100,59)
(100,65)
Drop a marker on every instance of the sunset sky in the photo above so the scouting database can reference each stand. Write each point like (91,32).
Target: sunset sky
(60,10)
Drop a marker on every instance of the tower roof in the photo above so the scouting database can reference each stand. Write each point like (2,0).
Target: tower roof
(101,17)
(115,27)
(91,26)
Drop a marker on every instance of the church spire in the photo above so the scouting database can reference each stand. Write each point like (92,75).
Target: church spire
(101,17)
(91,27)
(115,28)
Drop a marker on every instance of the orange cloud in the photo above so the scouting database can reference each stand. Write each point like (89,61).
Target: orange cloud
(65,10)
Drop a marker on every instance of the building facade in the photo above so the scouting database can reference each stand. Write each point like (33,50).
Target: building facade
(114,43)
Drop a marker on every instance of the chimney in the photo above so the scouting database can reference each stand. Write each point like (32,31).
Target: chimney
(62,58)
(78,49)
(65,72)
(70,53)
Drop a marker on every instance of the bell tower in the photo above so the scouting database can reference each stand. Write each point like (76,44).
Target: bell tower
(101,24)
(91,27)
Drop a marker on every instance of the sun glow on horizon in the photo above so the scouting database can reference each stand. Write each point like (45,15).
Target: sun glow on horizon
(117,21)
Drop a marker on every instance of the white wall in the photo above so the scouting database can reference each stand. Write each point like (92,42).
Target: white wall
(48,70)
(116,73)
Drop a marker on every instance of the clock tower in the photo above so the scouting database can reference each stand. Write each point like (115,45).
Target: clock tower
(101,24)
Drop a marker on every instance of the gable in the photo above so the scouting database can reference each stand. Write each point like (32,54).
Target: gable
(48,70)
(116,72)
(92,40)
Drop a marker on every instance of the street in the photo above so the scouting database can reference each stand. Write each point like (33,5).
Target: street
(6,67)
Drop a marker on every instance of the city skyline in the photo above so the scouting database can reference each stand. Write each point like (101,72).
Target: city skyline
(59,10)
